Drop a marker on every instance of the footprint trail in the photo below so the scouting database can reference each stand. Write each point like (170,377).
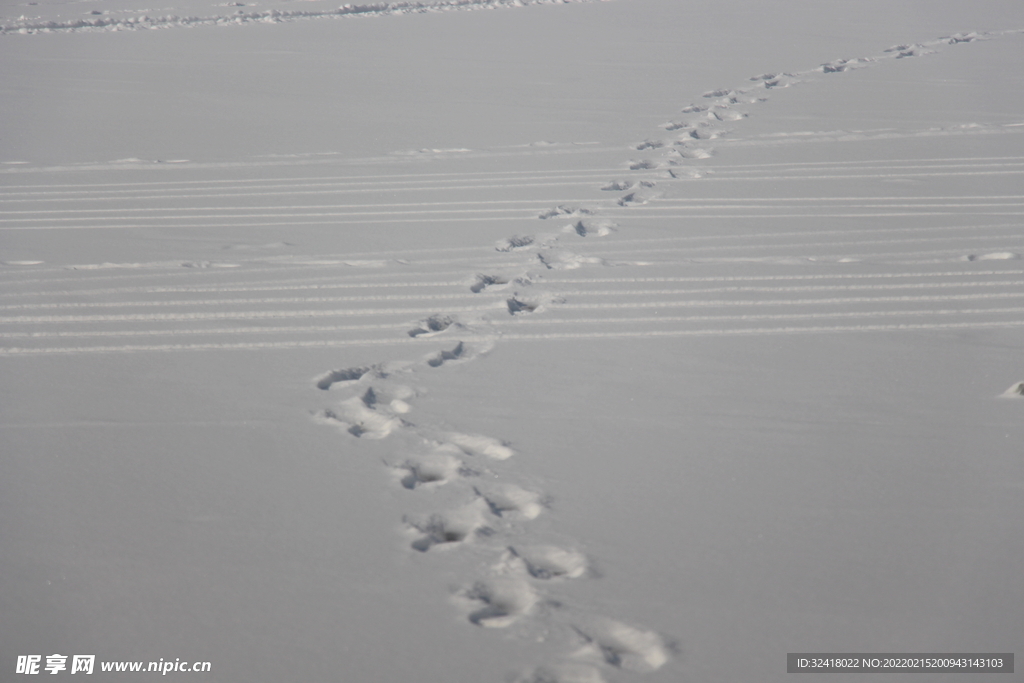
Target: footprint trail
(515,569)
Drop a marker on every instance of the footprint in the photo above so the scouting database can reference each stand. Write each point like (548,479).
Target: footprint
(686,173)
(449,529)
(704,131)
(688,151)
(770,81)
(433,469)
(997,256)
(694,109)
(482,282)
(517,304)
(718,93)
(841,65)
(547,562)
(618,186)
(727,114)
(457,352)
(963,38)
(567,260)
(904,51)
(365,417)
(394,398)
(509,500)
(636,198)
(475,444)
(1014,391)
(514,243)
(643,165)
(560,211)
(460,353)
(443,356)
(592,227)
(431,326)
(649,144)
(347,375)
(623,646)
(505,600)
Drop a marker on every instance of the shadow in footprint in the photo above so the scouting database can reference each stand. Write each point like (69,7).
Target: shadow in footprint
(432,325)
(517,305)
(485,281)
(513,243)
(547,562)
(433,469)
(346,375)
(444,356)
(623,646)
(593,228)
(451,528)
(505,600)
(1015,391)
(509,500)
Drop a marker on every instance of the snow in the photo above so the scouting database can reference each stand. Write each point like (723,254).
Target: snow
(566,342)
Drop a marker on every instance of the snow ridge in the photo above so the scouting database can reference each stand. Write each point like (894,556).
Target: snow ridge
(27,26)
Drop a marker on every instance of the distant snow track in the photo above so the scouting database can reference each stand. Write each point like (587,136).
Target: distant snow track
(274,16)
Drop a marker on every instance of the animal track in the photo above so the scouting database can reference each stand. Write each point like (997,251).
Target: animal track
(726,114)
(770,81)
(566,260)
(428,327)
(618,186)
(621,185)
(997,256)
(718,93)
(433,469)
(547,562)
(635,198)
(592,228)
(505,600)
(649,144)
(687,151)
(484,281)
(963,38)
(474,444)
(347,375)
(841,65)
(361,418)
(451,528)
(501,509)
(509,500)
(704,131)
(514,243)
(1014,391)
(518,305)
(643,165)
(561,211)
(623,646)
(443,357)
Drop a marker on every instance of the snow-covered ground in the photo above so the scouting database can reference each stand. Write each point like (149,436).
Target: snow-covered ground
(639,340)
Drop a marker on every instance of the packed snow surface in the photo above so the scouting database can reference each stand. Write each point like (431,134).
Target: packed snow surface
(569,342)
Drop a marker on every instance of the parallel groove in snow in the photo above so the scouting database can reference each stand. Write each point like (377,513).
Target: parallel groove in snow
(256,346)
(546,321)
(317,313)
(470,295)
